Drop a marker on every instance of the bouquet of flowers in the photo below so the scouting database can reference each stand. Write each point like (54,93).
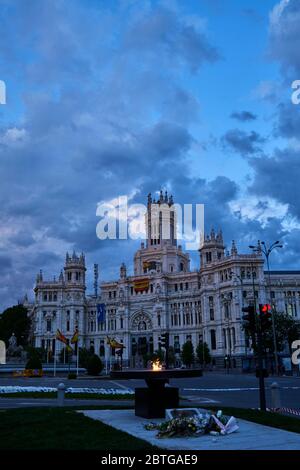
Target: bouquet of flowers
(208,423)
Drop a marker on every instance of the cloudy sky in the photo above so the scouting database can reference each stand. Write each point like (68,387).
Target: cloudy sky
(109,98)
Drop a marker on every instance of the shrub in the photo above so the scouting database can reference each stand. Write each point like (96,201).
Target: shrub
(94,366)
(34,363)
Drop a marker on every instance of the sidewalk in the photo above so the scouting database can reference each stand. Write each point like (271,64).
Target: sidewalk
(250,436)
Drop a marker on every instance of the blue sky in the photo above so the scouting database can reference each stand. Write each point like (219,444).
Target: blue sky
(127,97)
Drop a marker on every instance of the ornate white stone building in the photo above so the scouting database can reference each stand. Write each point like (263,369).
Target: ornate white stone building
(163,295)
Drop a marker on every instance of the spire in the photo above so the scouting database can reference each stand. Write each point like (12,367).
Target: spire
(123,271)
(149,199)
(212,234)
(166,196)
(161,196)
(171,202)
(233,248)
(61,277)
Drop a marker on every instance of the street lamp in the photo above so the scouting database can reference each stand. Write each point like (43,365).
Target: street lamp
(267,249)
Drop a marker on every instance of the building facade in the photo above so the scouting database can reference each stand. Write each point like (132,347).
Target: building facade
(163,295)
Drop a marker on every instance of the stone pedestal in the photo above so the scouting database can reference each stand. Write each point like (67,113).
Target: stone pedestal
(152,402)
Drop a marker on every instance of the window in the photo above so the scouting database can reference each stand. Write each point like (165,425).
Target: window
(69,276)
(121,323)
(186,286)
(181,266)
(49,326)
(176,287)
(211,314)
(158,320)
(213,339)
(45,297)
(176,344)
(208,257)
(55,296)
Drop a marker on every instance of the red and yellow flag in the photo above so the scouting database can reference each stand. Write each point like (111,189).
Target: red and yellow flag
(113,343)
(74,338)
(61,337)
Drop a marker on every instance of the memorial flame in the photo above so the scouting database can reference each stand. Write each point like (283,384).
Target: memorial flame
(156,365)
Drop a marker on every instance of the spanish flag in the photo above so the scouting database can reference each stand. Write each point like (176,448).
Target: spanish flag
(74,338)
(61,337)
(113,343)
(141,285)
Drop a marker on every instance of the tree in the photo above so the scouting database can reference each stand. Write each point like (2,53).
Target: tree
(287,329)
(15,320)
(203,353)
(84,356)
(187,354)
(171,356)
(38,353)
(95,365)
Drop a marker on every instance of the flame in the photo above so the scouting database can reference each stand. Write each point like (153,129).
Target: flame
(156,365)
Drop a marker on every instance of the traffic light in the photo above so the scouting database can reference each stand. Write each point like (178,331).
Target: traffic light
(164,340)
(249,319)
(265,316)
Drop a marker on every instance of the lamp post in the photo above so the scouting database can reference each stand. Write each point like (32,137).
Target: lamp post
(267,249)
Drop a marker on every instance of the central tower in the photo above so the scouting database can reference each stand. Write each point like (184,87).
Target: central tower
(161,221)
(161,254)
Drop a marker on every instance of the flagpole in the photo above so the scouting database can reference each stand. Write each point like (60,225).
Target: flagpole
(54,370)
(77,355)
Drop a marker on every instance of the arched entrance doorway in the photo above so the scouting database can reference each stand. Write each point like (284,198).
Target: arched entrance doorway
(141,340)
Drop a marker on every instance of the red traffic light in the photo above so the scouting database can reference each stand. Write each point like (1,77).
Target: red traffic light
(266,308)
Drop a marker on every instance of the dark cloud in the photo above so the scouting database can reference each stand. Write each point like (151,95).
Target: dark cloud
(243,116)
(288,121)
(284,36)
(105,112)
(242,142)
(278,177)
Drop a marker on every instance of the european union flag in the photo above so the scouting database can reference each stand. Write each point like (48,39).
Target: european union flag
(101,313)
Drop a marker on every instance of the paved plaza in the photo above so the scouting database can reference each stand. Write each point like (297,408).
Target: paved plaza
(250,436)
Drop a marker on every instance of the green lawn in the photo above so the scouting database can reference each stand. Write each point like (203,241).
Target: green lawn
(61,428)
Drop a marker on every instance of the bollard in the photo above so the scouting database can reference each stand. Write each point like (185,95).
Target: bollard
(61,394)
(275,396)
